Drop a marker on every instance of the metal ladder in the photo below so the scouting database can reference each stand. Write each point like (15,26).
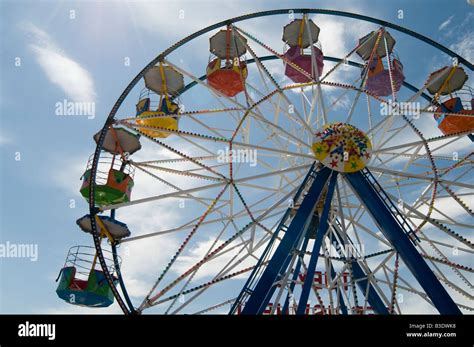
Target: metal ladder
(399,217)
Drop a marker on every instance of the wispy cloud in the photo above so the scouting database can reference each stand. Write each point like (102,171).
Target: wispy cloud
(445,23)
(465,46)
(66,73)
(463,43)
(4,139)
(64,308)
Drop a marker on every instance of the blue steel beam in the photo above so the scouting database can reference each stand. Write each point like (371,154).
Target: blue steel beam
(401,242)
(322,229)
(265,286)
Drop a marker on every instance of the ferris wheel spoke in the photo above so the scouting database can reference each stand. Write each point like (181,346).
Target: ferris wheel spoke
(273,150)
(178,160)
(373,130)
(457,289)
(455,137)
(212,139)
(198,169)
(278,110)
(184,114)
(419,176)
(177,172)
(161,197)
(315,76)
(181,133)
(212,130)
(190,224)
(312,106)
(393,135)
(183,227)
(444,244)
(214,307)
(414,157)
(393,287)
(354,103)
(465,165)
(390,69)
(447,143)
(181,154)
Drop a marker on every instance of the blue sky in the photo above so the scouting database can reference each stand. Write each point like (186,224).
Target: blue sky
(90,49)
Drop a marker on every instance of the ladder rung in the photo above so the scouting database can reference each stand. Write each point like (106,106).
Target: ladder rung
(248,290)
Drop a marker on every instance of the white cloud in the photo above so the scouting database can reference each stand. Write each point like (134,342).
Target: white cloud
(338,37)
(181,17)
(66,173)
(72,309)
(73,79)
(465,46)
(413,304)
(445,23)
(4,139)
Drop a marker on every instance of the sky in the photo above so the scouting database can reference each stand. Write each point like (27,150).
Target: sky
(88,51)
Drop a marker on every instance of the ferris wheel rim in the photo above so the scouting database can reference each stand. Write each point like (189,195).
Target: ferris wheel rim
(94,210)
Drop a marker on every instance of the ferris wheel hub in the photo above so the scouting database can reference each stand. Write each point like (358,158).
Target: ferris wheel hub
(342,147)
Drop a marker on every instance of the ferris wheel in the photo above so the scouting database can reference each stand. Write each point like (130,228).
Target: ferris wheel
(280,180)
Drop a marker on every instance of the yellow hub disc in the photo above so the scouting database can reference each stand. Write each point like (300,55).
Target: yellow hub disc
(342,147)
